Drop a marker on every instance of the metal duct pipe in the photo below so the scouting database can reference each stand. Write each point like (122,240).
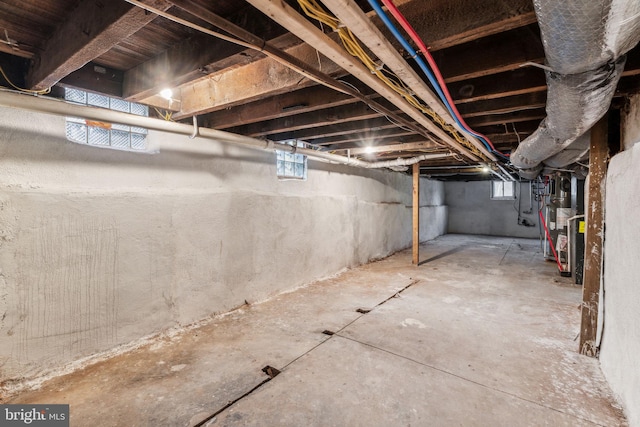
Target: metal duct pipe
(584,45)
(577,151)
(530,173)
(61,108)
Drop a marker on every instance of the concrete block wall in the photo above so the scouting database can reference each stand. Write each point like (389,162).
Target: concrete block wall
(471,211)
(620,346)
(99,247)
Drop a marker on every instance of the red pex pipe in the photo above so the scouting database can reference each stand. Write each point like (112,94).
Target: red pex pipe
(432,63)
(553,249)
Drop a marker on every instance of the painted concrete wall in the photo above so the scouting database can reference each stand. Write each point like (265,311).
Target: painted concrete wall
(620,348)
(100,247)
(471,211)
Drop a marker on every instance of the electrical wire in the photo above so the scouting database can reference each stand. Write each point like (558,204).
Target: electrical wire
(33,92)
(386,116)
(249,40)
(436,81)
(440,86)
(167,115)
(313,9)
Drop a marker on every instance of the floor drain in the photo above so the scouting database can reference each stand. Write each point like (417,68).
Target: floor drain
(328,332)
(363,310)
(271,371)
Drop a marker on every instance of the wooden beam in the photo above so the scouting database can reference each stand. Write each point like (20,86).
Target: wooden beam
(15,51)
(508,129)
(359,24)
(350,128)
(598,157)
(92,29)
(501,119)
(22,25)
(405,139)
(510,104)
(511,83)
(307,31)
(448,162)
(491,55)
(309,72)
(450,170)
(343,114)
(475,19)
(296,102)
(190,60)
(286,59)
(139,81)
(406,155)
(373,136)
(507,138)
(198,56)
(236,86)
(412,146)
(290,62)
(466,20)
(416,214)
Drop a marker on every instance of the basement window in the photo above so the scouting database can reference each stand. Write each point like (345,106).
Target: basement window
(291,165)
(107,135)
(503,190)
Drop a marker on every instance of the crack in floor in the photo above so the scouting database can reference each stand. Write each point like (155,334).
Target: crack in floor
(273,372)
(468,379)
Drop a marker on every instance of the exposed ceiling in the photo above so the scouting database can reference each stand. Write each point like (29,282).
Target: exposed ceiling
(484,49)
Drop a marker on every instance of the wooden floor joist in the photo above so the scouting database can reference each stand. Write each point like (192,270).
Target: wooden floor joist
(357,21)
(301,27)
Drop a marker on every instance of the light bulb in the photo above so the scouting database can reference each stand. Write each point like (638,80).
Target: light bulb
(166,93)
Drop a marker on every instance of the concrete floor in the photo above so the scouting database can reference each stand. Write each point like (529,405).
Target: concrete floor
(483,333)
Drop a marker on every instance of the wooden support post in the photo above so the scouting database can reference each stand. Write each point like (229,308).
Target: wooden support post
(416,213)
(598,156)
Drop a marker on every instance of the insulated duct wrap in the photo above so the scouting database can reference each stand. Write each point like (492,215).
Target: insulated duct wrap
(575,102)
(584,45)
(576,152)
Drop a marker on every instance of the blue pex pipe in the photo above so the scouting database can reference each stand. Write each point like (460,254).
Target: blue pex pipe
(423,66)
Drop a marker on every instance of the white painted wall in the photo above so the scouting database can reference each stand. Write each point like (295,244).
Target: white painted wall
(471,211)
(99,247)
(620,348)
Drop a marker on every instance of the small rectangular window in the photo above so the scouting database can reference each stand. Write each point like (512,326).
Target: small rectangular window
(99,134)
(291,165)
(503,190)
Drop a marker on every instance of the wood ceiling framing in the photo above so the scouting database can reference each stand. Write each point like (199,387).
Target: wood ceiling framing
(116,48)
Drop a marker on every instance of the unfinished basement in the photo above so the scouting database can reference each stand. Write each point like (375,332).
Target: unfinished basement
(319,213)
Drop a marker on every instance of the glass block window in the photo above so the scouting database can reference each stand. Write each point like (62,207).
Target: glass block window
(503,190)
(290,165)
(99,134)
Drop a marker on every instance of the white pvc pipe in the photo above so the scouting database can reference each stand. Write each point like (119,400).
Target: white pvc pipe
(58,107)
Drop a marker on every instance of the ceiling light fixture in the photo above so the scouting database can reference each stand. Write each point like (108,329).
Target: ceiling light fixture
(166,93)
(369,149)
